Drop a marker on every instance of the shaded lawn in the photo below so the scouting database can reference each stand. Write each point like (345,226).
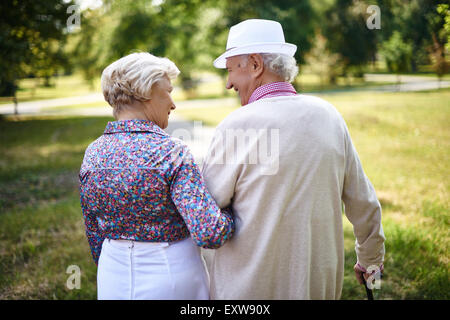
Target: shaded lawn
(41,227)
(402,139)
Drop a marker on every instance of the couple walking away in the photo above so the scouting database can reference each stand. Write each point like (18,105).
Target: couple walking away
(276,226)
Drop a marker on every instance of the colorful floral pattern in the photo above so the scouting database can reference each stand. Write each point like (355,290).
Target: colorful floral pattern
(139,183)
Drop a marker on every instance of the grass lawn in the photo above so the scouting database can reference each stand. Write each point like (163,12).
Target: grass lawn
(403,140)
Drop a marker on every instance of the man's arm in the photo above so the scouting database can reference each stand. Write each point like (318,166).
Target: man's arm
(363,210)
(220,176)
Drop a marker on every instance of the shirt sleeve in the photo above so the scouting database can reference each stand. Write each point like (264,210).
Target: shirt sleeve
(209,226)
(93,233)
(363,209)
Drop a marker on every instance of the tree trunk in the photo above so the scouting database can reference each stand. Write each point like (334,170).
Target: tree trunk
(16,111)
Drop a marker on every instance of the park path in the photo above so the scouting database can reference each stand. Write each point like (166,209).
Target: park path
(51,106)
(194,133)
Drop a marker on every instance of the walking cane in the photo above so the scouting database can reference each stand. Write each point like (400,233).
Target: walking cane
(368,291)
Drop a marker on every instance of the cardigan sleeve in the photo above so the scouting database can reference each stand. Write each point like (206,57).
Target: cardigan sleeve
(363,209)
(220,174)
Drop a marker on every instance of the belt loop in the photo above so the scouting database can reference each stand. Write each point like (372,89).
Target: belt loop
(132,244)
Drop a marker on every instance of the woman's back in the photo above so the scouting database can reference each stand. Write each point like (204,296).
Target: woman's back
(139,183)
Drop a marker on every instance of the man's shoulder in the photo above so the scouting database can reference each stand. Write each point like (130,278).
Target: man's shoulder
(315,102)
(267,107)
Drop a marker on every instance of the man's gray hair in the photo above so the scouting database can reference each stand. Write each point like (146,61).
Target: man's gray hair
(283,65)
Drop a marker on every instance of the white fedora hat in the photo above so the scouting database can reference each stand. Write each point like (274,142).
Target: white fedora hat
(255,36)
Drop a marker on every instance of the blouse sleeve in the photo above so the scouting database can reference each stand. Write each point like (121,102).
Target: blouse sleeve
(88,204)
(209,226)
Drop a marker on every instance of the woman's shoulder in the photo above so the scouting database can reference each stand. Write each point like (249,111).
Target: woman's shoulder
(179,148)
(94,146)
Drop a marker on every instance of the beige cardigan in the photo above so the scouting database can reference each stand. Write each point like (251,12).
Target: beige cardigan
(289,240)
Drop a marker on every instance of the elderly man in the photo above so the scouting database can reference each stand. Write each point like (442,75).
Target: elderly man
(288,242)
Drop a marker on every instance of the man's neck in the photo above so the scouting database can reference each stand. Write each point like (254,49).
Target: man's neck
(269,78)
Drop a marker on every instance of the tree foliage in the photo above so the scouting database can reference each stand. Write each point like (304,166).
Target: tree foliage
(124,26)
(296,17)
(348,35)
(397,53)
(439,29)
(322,62)
(32,35)
(420,22)
(332,34)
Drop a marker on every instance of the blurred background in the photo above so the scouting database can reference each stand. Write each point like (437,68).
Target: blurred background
(383,64)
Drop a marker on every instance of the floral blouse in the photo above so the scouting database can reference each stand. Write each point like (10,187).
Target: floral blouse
(139,183)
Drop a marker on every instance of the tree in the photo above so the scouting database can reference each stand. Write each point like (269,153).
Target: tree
(418,21)
(321,61)
(296,17)
(397,54)
(32,34)
(348,35)
(440,38)
(444,10)
(183,28)
(89,46)
(164,29)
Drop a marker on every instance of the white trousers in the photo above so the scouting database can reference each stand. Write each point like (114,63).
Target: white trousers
(131,270)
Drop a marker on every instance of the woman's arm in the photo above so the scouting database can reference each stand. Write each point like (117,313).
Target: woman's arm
(93,233)
(209,226)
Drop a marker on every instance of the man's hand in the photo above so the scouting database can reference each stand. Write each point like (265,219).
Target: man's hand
(360,272)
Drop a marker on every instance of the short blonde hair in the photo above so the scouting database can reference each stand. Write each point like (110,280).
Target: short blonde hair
(131,78)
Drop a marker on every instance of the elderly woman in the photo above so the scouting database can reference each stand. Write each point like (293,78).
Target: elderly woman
(143,199)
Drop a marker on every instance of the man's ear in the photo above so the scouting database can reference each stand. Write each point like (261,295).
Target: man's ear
(256,64)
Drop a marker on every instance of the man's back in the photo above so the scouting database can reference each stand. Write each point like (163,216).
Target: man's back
(288,242)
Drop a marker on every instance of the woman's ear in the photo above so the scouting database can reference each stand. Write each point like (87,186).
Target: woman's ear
(256,64)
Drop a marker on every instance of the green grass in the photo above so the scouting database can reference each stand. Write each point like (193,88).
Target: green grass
(403,140)
(41,227)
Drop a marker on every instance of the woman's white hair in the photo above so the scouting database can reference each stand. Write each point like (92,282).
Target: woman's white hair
(131,78)
(283,65)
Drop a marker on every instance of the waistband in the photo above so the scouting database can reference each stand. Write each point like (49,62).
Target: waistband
(123,243)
